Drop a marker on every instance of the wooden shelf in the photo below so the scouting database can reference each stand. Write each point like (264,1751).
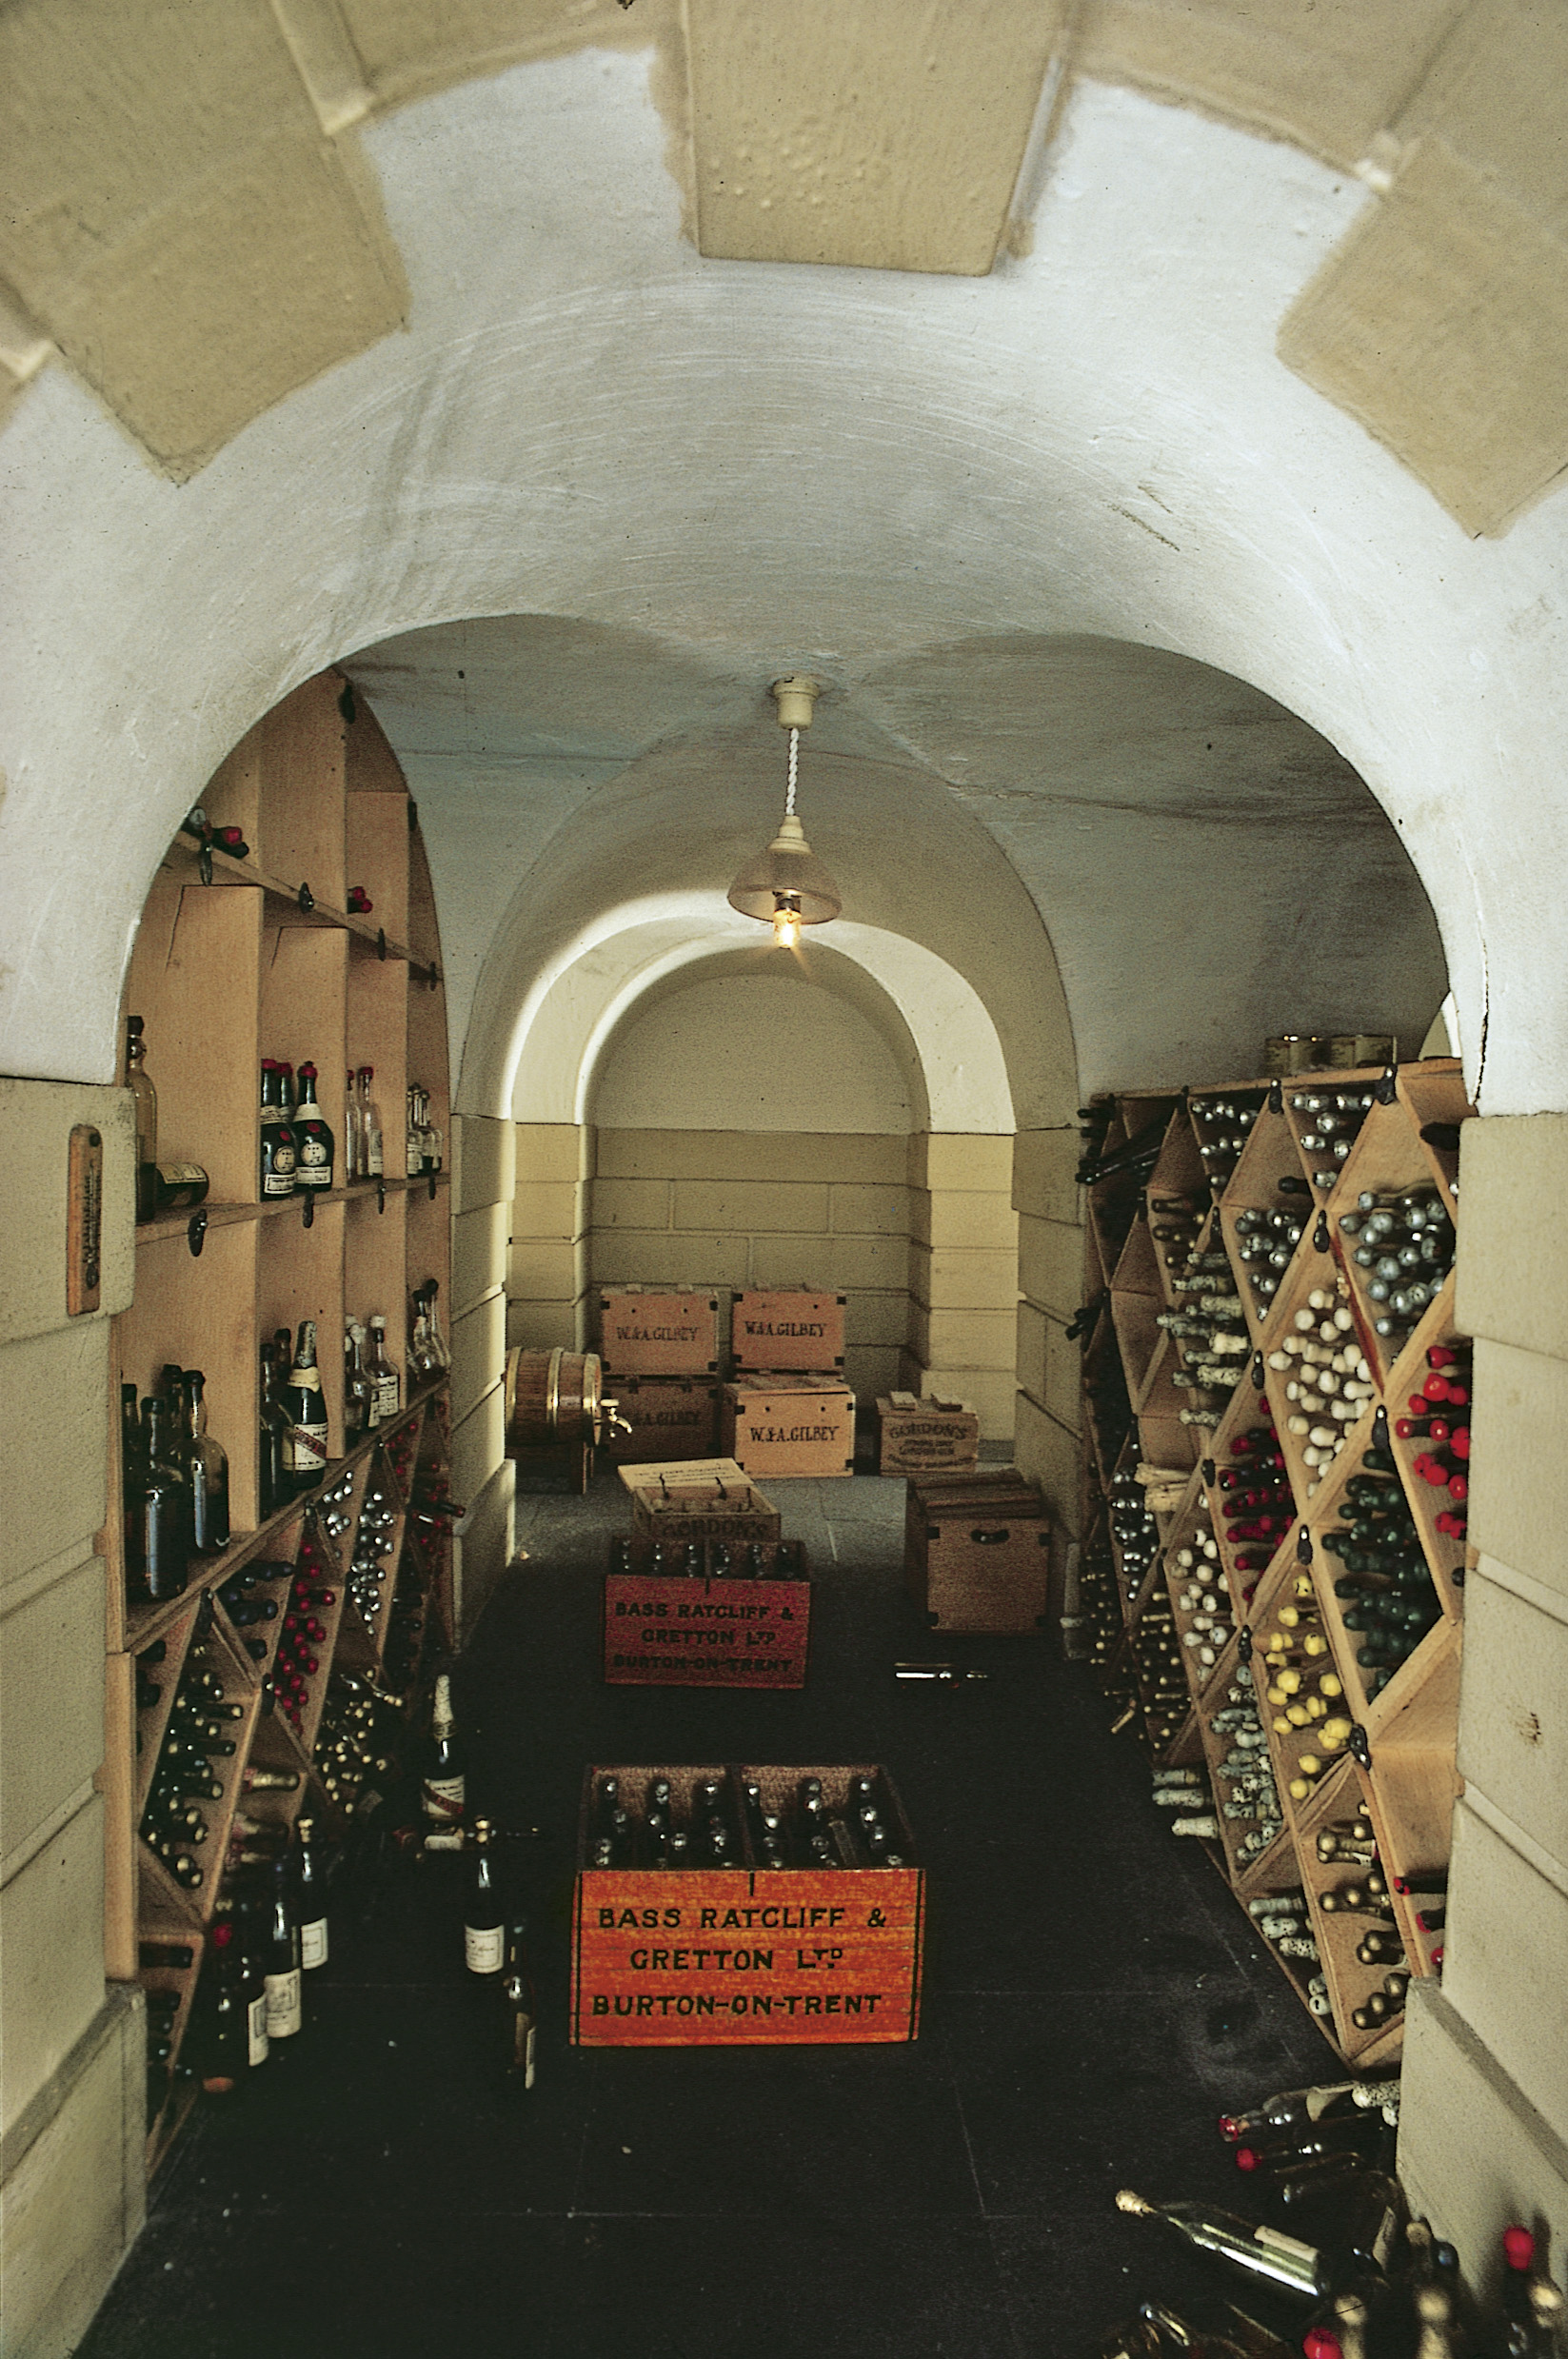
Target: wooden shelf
(222,973)
(1406,1731)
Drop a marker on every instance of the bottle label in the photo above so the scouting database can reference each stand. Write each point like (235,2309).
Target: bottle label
(443,1798)
(314,1942)
(522,2027)
(315,1167)
(414,1158)
(278,1173)
(484,1949)
(285,2011)
(386,1392)
(373,1155)
(304,1449)
(259,2046)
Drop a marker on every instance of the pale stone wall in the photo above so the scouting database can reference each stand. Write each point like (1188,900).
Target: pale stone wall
(1485,2126)
(1050,1286)
(73,2090)
(482,1481)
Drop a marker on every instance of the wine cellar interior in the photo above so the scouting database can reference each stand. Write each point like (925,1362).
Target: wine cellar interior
(1124,445)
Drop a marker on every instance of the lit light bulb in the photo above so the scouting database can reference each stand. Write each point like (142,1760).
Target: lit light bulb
(787,920)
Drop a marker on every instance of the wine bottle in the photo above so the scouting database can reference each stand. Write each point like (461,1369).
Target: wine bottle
(139,1083)
(522,2009)
(276,1148)
(222,2041)
(179,1187)
(158,1517)
(309,1898)
(370,1126)
(483,1924)
(354,1132)
(314,1147)
(444,1784)
(358,1392)
(209,1472)
(1264,2254)
(383,1376)
(281,1960)
(305,1445)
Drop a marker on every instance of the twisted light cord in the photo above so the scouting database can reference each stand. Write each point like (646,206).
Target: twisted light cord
(794,772)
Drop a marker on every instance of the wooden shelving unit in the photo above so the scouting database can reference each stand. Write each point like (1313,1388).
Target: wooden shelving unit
(238,958)
(1399,1766)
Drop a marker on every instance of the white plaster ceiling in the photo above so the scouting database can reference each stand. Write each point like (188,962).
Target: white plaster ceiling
(918,487)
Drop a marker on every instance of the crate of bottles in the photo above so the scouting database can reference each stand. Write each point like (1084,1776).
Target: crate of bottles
(976,1552)
(730,1906)
(707,1613)
(681,1503)
(665,1417)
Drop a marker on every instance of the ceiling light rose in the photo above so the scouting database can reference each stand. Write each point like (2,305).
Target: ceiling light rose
(786,887)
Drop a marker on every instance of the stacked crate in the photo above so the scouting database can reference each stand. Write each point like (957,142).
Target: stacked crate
(660,1354)
(788,1409)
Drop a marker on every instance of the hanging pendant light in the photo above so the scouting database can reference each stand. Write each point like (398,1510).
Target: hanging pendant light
(786,887)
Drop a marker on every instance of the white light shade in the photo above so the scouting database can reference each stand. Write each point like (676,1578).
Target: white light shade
(789,866)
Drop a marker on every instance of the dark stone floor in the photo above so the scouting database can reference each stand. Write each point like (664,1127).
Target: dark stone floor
(1093,1998)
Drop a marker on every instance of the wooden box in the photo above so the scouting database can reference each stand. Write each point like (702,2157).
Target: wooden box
(919,1436)
(669,1417)
(787,1330)
(642,1332)
(786,1424)
(711,1508)
(743,1955)
(977,1553)
(668,1629)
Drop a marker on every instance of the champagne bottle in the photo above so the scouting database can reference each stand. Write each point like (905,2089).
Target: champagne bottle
(314,1147)
(1264,2254)
(305,1445)
(139,1083)
(522,2009)
(483,1924)
(309,1898)
(276,1147)
(443,1785)
(369,1125)
(209,1472)
(281,1960)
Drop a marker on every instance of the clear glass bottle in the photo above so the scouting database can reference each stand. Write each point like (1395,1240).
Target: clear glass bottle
(384,1382)
(158,1519)
(358,1392)
(209,1472)
(139,1083)
(354,1132)
(369,1124)
(413,1144)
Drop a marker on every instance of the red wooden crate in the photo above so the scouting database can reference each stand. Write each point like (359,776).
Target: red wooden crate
(673,1629)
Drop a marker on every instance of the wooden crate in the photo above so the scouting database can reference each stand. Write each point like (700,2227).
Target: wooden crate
(917,1437)
(977,1554)
(788,1424)
(713,1508)
(642,1332)
(787,1330)
(672,1630)
(744,1956)
(669,1417)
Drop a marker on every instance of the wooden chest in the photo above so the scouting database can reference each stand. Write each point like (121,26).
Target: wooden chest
(642,1332)
(716,1629)
(748,1955)
(977,1553)
(669,1417)
(787,1330)
(674,1508)
(785,1425)
(922,1436)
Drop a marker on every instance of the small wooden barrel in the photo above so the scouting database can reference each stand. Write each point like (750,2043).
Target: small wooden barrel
(553,1399)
